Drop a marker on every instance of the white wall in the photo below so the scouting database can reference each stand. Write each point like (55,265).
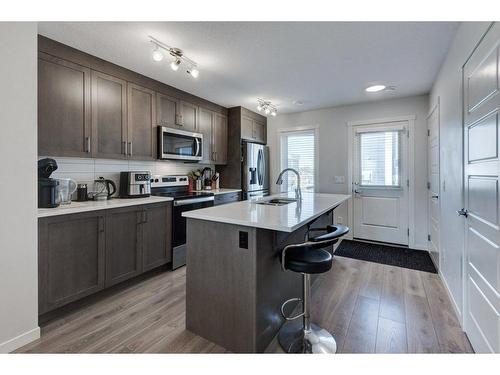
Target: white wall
(333,147)
(448,89)
(18,185)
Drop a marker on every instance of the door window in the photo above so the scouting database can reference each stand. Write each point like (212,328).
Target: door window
(380,157)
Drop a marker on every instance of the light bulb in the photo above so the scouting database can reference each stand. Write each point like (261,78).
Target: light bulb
(157,54)
(259,108)
(175,65)
(273,113)
(267,111)
(194,73)
(375,88)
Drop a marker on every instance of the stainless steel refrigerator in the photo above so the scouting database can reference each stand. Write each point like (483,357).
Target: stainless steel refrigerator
(255,170)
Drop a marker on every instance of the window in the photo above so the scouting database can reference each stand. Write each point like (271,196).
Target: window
(380,158)
(298,151)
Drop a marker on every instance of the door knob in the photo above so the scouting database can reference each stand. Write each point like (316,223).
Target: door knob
(435,196)
(356,191)
(463,212)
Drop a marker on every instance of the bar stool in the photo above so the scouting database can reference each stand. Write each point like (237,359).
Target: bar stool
(308,258)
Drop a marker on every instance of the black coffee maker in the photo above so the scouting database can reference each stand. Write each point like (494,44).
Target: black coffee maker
(47,187)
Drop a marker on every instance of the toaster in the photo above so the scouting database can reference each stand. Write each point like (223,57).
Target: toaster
(135,184)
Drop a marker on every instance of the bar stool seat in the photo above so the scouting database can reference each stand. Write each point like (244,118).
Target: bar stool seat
(309,257)
(310,261)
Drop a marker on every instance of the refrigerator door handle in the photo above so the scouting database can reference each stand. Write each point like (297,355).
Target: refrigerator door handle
(259,167)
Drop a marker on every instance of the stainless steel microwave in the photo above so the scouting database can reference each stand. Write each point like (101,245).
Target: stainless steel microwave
(179,144)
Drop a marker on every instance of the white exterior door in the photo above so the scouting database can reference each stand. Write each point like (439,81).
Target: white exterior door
(380,188)
(481,192)
(433,182)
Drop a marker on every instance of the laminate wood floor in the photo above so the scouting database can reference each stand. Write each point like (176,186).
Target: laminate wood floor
(369,307)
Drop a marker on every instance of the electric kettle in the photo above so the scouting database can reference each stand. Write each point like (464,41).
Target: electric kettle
(103,189)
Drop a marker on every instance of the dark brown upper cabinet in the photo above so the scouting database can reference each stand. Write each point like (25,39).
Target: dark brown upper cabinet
(64,118)
(213,126)
(219,136)
(188,116)
(141,143)
(109,116)
(71,258)
(88,107)
(253,130)
(167,111)
(205,126)
(260,132)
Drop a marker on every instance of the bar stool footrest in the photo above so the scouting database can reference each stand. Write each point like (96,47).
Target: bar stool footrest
(289,301)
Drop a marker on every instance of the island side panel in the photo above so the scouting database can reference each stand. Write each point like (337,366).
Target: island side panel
(220,284)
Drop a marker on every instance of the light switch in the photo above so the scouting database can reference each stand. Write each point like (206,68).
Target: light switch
(339,179)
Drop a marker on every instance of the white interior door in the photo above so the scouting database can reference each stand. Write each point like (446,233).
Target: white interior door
(481,191)
(433,182)
(380,183)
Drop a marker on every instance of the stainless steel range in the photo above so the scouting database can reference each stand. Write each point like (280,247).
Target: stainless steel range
(176,187)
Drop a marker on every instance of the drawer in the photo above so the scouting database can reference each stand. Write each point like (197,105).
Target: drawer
(227,198)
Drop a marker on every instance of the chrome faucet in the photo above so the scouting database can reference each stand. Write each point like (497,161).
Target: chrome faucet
(279,181)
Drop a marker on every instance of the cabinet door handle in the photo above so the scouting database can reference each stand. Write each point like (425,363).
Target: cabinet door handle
(87,144)
(130,148)
(124,147)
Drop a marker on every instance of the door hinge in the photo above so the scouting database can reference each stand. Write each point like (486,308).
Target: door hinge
(408,232)
(428,186)
(428,132)
(428,237)
(408,183)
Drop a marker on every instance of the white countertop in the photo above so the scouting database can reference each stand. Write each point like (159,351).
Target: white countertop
(77,207)
(286,218)
(220,191)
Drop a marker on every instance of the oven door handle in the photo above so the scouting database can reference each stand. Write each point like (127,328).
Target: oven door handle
(184,202)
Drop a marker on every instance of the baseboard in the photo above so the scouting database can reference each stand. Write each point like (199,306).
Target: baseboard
(21,340)
(453,302)
(419,247)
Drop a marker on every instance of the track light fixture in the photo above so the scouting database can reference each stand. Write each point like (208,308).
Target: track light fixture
(160,49)
(267,107)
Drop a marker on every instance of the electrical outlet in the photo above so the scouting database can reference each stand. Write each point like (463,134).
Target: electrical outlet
(340,220)
(243,240)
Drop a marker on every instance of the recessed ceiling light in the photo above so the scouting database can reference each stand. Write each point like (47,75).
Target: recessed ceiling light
(298,102)
(375,88)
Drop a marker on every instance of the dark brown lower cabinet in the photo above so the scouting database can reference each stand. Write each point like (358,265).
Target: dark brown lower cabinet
(157,236)
(71,260)
(123,244)
(81,254)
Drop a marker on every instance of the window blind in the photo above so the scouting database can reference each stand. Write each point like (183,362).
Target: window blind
(380,158)
(298,152)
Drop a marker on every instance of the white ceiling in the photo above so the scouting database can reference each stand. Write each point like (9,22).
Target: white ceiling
(322,64)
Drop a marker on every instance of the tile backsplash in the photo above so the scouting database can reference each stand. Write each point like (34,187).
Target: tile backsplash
(85,171)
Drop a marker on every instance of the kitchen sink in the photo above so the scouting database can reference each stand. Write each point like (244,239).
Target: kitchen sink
(277,201)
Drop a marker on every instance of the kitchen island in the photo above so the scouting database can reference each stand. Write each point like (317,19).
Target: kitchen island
(234,282)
